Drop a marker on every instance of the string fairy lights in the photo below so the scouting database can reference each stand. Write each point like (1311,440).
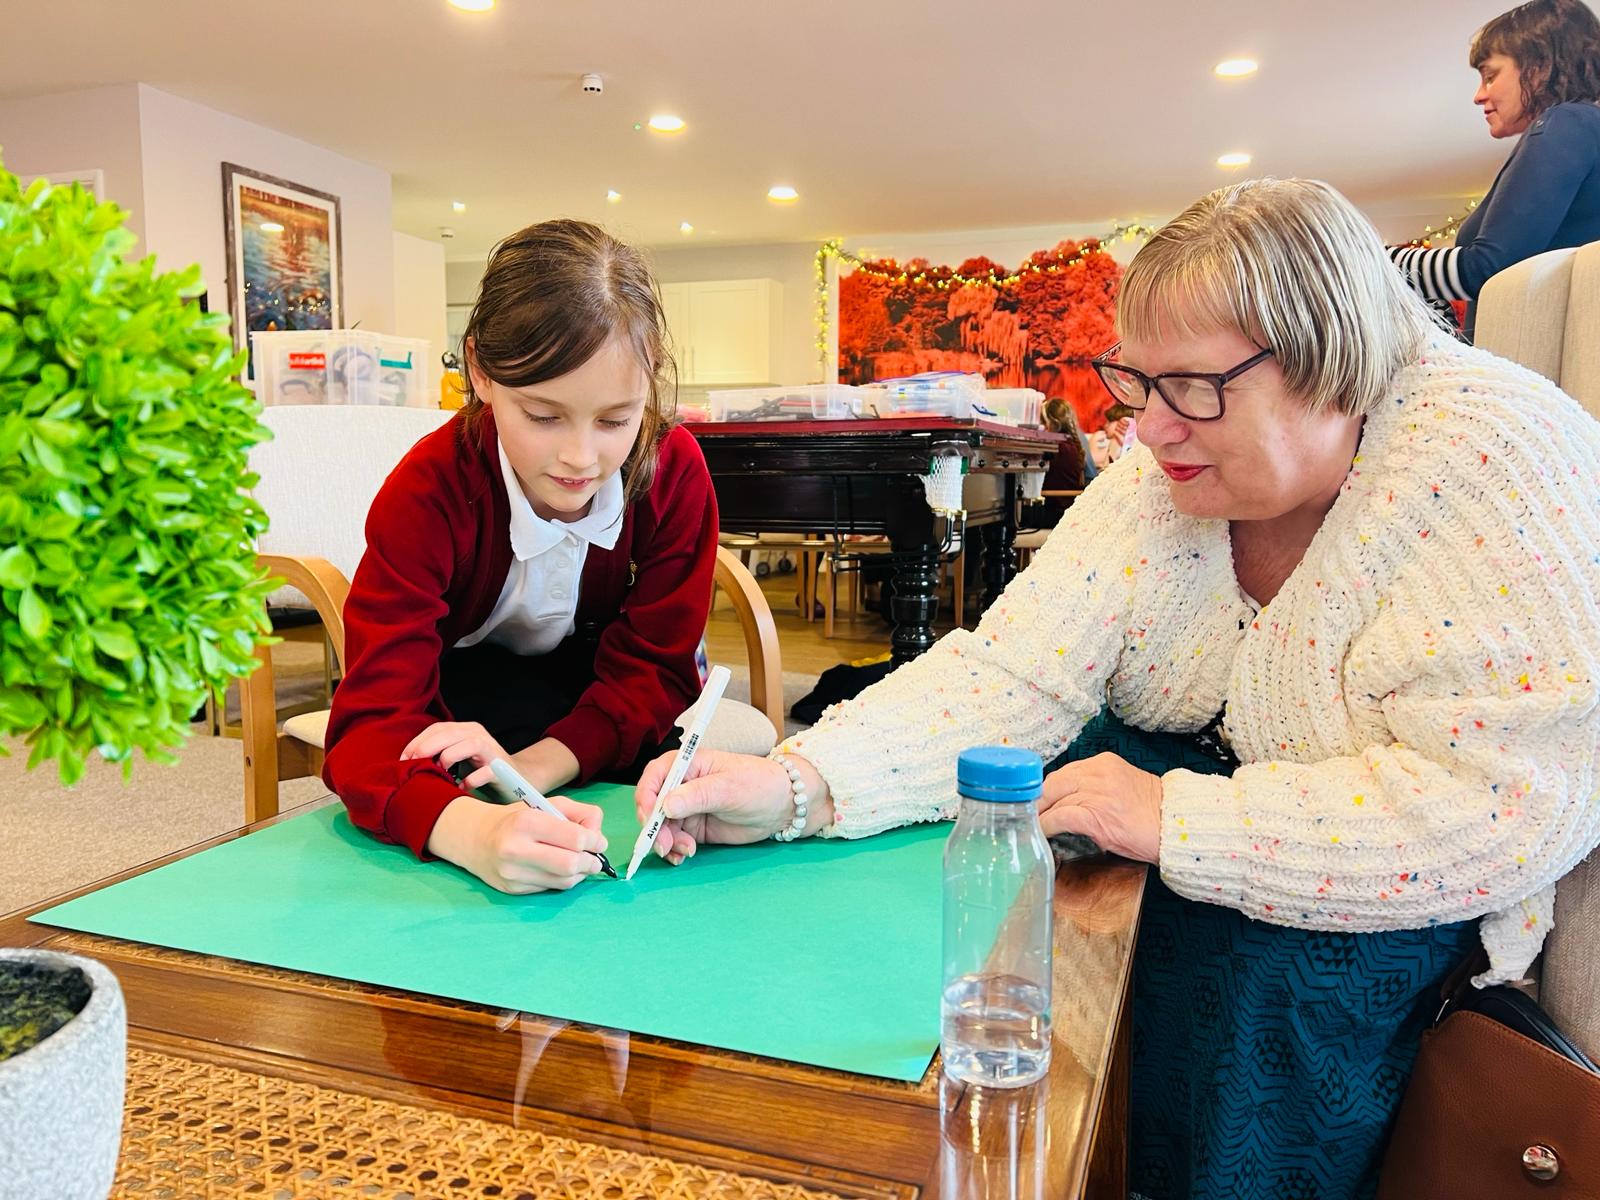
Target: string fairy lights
(1431,236)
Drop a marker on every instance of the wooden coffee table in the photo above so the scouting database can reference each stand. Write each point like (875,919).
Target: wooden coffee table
(246,1080)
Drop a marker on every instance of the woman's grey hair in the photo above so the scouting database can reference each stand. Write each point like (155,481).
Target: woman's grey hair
(1292,265)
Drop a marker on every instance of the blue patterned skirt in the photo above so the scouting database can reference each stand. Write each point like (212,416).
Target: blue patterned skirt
(1268,1062)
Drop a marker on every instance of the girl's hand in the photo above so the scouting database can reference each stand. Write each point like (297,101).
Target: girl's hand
(1108,799)
(519,849)
(547,764)
(732,799)
(458,741)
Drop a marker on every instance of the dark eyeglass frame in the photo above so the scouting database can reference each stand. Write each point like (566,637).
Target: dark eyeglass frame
(1103,364)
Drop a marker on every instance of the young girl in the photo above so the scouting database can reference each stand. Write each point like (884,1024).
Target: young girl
(537,573)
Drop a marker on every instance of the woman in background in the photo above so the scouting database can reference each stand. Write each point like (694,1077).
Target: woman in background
(1070,467)
(1539,70)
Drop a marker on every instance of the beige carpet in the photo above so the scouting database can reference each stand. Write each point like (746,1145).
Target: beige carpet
(53,839)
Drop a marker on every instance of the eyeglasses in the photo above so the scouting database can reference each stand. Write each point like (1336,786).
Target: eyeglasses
(1196,395)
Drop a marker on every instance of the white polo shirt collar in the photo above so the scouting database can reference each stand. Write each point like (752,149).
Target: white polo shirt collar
(532,535)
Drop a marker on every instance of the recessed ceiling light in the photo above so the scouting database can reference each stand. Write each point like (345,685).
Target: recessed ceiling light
(612,195)
(686,228)
(1236,159)
(1236,68)
(271,227)
(457,206)
(667,123)
(782,194)
(472,5)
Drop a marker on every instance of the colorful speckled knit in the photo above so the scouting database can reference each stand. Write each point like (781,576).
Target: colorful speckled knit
(1415,710)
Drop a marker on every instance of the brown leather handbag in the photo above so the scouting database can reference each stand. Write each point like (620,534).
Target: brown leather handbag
(1501,1105)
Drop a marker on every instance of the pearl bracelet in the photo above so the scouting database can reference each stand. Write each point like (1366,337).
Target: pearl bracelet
(797,786)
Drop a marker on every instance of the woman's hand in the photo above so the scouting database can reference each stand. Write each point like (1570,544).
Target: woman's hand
(1109,800)
(732,799)
(519,849)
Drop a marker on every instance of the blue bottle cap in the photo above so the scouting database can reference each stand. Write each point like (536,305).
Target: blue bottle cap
(1003,773)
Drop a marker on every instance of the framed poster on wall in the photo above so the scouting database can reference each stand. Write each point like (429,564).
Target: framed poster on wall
(285,255)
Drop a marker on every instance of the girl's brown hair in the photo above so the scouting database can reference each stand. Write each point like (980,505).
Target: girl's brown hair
(1556,46)
(552,295)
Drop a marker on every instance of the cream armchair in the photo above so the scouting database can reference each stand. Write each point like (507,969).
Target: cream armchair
(1544,313)
(318,477)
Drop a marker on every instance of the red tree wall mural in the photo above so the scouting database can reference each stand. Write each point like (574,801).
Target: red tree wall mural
(1035,327)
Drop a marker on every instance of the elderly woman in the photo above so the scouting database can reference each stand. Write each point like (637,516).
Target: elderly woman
(1347,586)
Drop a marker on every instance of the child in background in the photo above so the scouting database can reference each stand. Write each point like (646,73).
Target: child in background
(537,573)
(1109,444)
(1070,468)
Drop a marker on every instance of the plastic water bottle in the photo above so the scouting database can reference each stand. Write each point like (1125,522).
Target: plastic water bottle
(999,880)
(994,1143)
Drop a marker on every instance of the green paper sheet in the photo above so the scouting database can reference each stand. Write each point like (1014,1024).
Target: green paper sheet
(821,951)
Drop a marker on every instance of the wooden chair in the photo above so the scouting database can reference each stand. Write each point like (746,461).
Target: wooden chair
(1030,540)
(295,751)
(808,551)
(1066,477)
(317,478)
(816,557)
(296,625)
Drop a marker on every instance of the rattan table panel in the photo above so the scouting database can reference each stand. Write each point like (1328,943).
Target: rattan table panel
(196,1129)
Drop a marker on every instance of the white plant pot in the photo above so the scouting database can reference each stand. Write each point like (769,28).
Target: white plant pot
(61,1101)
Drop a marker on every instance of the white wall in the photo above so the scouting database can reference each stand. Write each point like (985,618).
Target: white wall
(461,279)
(185,145)
(792,264)
(75,131)
(419,297)
(1400,221)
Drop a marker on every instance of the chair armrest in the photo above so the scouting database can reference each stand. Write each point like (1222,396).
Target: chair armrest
(760,635)
(324,585)
(1061,493)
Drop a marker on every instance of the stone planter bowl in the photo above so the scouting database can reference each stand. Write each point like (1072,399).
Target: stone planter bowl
(61,1101)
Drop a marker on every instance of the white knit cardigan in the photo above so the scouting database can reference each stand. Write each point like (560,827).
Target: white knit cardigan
(1414,711)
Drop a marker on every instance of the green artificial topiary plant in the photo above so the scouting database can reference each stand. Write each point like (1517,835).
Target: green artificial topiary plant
(128,577)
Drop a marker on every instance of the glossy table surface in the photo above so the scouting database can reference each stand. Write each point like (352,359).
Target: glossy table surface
(251,1080)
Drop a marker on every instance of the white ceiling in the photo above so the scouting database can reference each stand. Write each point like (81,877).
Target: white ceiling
(905,115)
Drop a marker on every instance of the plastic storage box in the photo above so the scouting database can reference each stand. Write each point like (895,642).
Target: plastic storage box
(1012,406)
(342,366)
(936,394)
(811,402)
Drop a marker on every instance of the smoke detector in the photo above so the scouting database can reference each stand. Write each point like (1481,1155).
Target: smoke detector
(593,85)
